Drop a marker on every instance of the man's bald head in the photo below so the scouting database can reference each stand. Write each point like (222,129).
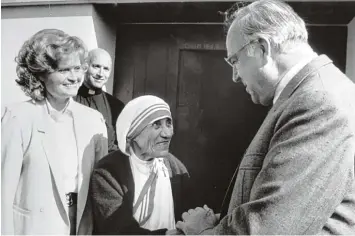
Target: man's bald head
(99,52)
(99,70)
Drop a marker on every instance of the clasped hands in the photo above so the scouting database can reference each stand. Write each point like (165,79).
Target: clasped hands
(196,221)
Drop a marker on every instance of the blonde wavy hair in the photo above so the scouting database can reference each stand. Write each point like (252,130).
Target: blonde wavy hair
(40,55)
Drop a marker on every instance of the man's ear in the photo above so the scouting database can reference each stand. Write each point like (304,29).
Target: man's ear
(265,47)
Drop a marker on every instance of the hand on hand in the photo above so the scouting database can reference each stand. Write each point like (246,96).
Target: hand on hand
(197,220)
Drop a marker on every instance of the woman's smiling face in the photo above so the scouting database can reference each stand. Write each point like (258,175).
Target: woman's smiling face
(154,140)
(66,80)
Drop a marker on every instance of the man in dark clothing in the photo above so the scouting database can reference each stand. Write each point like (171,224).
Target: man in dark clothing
(91,94)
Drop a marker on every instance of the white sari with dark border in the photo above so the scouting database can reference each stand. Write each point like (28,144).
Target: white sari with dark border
(153,205)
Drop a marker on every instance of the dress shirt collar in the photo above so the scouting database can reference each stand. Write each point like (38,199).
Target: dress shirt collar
(66,111)
(87,92)
(287,77)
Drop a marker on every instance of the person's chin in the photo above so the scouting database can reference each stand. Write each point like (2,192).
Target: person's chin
(266,103)
(94,83)
(74,92)
(99,85)
(70,93)
(266,100)
(254,98)
(64,96)
(161,153)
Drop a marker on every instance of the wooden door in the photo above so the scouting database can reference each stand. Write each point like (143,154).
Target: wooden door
(215,121)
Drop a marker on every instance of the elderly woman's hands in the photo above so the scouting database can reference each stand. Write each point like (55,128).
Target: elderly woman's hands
(198,221)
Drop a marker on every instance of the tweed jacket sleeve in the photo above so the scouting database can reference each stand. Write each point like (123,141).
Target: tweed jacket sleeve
(306,172)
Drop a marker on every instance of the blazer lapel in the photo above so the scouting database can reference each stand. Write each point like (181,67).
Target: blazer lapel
(311,67)
(48,144)
(85,159)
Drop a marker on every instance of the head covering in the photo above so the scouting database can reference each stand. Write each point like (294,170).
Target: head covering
(136,115)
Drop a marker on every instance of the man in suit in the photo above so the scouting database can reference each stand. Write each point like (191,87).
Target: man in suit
(297,175)
(91,94)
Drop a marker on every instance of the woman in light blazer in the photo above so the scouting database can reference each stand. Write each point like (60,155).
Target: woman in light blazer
(49,143)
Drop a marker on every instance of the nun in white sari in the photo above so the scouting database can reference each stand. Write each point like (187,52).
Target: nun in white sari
(139,188)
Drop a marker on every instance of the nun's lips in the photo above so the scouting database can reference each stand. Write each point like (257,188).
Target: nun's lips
(163,142)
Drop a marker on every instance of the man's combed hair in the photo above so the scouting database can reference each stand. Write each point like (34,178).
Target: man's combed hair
(271,19)
(40,55)
(230,14)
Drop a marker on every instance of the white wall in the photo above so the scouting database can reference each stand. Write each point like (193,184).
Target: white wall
(15,31)
(106,39)
(350,51)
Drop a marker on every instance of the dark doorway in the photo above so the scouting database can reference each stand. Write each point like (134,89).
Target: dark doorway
(330,40)
(216,120)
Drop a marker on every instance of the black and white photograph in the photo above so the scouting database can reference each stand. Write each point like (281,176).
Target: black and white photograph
(177,117)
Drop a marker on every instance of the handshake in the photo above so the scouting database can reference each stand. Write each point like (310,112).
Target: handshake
(196,221)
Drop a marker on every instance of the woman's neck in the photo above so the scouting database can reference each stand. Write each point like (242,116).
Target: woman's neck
(57,104)
(144,157)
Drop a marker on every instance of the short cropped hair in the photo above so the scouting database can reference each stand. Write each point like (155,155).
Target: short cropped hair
(40,55)
(271,19)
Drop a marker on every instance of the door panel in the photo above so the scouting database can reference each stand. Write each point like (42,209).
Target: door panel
(215,122)
(330,40)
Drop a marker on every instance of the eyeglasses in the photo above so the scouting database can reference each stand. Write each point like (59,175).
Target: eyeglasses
(233,59)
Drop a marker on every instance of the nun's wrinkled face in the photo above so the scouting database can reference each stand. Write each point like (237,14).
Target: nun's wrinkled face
(154,140)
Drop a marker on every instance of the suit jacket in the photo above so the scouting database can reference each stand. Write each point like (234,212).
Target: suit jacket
(297,175)
(112,194)
(32,192)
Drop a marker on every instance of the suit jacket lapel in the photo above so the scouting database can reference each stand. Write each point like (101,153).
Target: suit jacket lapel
(311,67)
(85,159)
(48,144)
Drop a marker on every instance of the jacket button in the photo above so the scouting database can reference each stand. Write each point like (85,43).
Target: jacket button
(41,209)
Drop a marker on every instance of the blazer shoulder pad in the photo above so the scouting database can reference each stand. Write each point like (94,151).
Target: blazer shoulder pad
(25,108)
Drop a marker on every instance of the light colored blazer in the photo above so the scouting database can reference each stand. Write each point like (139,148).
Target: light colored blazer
(297,175)
(32,192)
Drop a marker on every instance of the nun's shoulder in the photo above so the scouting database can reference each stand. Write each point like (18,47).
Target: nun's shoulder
(112,161)
(176,166)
